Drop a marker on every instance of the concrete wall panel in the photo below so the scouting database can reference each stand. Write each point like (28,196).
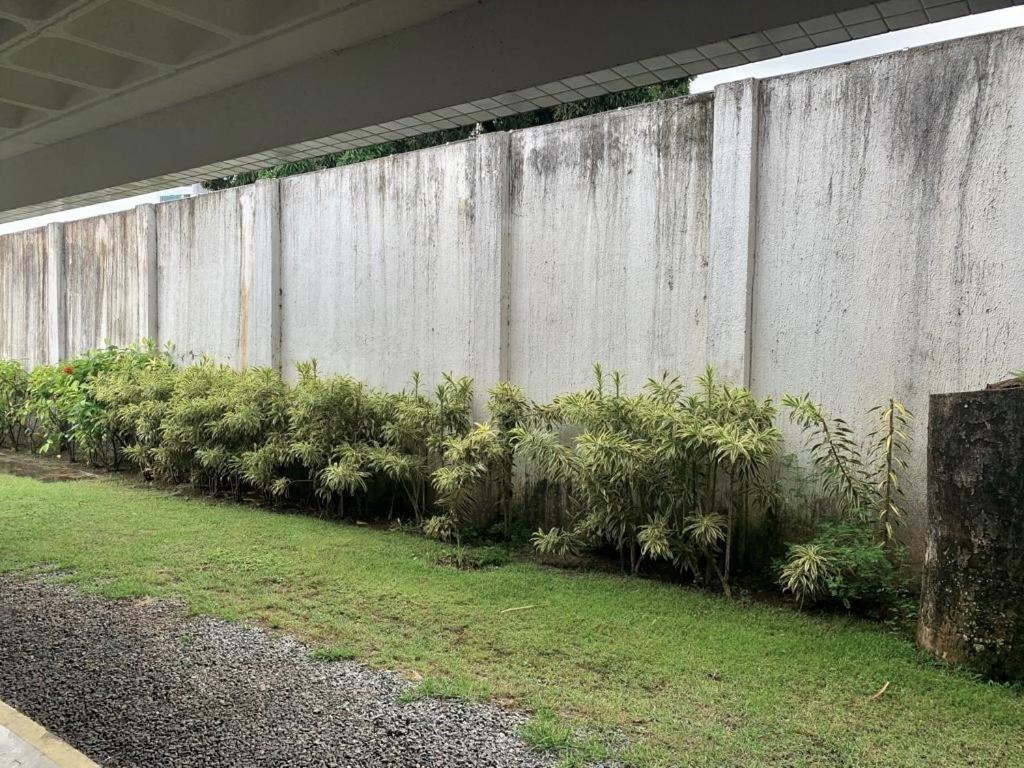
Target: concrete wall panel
(889,258)
(608,246)
(205,249)
(394,265)
(101,273)
(23,315)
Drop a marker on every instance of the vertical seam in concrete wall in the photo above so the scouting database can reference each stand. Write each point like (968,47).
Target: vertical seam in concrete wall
(247,341)
(259,218)
(755,138)
(146,245)
(734,170)
(276,298)
(56,294)
(505,264)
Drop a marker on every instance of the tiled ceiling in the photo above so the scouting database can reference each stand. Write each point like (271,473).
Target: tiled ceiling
(56,55)
(60,56)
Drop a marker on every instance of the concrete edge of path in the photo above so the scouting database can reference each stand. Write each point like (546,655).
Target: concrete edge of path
(40,739)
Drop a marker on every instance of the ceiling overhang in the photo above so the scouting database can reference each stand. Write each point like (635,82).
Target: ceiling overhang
(102,99)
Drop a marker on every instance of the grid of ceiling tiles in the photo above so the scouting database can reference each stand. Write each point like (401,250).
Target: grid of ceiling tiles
(57,56)
(111,67)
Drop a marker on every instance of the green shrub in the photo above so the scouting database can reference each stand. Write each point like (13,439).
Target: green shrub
(470,478)
(492,556)
(845,563)
(92,422)
(252,418)
(661,475)
(135,397)
(64,409)
(855,557)
(864,485)
(687,480)
(13,397)
(194,405)
(346,436)
(52,391)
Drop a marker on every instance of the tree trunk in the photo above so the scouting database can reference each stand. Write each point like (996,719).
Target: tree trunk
(972,598)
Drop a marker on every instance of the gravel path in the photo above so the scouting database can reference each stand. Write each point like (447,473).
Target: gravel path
(140,684)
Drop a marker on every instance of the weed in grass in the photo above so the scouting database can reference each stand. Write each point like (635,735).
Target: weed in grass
(459,557)
(333,653)
(445,688)
(546,733)
(492,557)
(473,558)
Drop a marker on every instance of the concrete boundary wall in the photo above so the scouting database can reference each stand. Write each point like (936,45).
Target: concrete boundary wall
(851,231)
(608,246)
(397,265)
(30,309)
(218,275)
(101,265)
(889,248)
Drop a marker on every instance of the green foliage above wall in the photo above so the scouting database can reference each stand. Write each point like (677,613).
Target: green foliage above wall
(627,98)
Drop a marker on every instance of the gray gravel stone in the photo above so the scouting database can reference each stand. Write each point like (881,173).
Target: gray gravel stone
(138,683)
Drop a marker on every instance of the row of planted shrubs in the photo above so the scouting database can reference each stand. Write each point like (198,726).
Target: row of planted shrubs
(694,481)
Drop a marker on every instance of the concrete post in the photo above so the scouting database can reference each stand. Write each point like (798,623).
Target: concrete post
(260,327)
(145,223)
(56,300)
(503,163)
(733,229)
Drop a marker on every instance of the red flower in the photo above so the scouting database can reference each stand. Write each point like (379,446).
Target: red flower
(68,370)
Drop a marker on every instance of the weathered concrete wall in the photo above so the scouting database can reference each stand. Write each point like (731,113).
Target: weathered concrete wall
(851,231)
(394,266)
(23,316)
(199,275)
(216,279)
(101,272)
(608,246)
(889,258)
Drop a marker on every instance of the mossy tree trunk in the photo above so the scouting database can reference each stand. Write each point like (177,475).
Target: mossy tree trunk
(972,601)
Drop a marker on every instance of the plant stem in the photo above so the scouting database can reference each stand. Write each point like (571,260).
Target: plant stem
(887,499)
(850,485)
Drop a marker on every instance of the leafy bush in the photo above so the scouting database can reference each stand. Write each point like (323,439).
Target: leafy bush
(345,436)
(328,418)
(660,475)
(13,396)
(243,415)
(864,485)
(854,557)
(135,397)
(52,393)
(465,480)
(63,409)
(668,477)
(846,563)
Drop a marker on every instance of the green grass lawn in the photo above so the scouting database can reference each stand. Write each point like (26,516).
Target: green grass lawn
(667,675)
